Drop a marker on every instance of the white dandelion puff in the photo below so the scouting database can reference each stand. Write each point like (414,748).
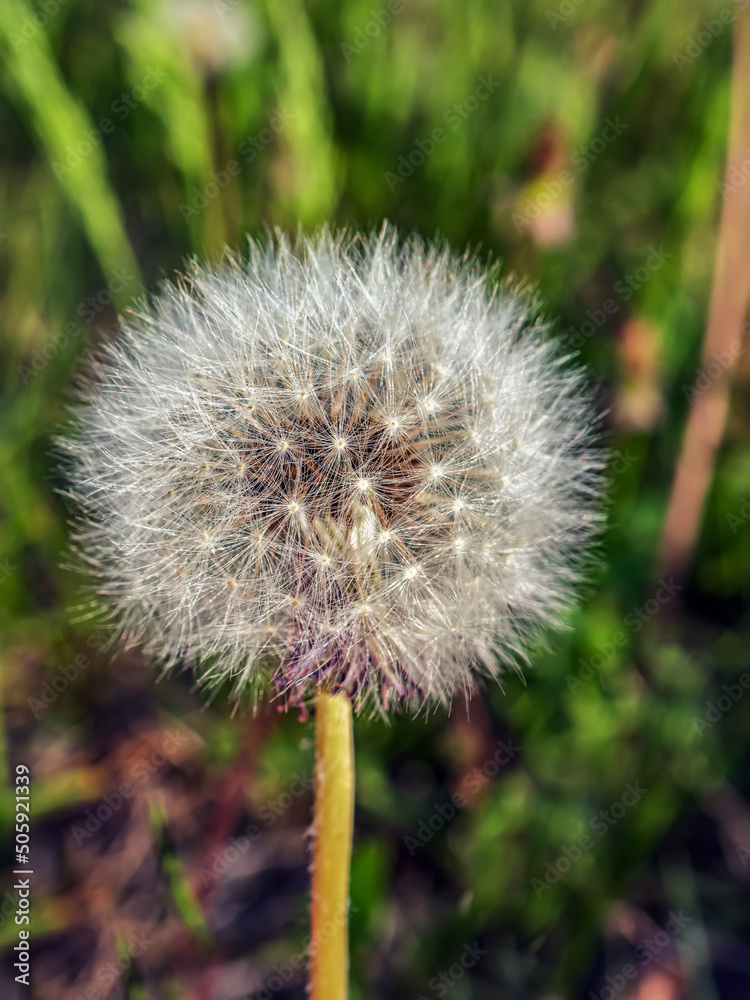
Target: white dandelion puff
(352,462)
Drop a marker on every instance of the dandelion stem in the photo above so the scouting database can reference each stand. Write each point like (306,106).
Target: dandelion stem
(334,814)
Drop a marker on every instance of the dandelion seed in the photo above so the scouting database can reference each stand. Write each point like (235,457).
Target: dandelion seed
(326,429)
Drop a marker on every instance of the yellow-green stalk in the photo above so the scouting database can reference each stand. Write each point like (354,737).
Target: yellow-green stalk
(334,816)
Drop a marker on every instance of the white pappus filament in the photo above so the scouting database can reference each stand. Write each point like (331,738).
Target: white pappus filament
(350,460)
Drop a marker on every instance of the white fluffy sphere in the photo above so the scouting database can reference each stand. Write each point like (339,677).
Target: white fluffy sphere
(350,462)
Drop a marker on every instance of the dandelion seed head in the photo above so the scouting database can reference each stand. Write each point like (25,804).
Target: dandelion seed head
(350,461)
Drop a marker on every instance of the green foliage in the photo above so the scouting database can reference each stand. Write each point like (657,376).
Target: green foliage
(318,122)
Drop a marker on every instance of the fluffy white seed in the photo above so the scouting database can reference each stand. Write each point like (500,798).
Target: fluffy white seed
(351,462)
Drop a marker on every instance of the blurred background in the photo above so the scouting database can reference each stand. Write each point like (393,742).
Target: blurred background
(601,844)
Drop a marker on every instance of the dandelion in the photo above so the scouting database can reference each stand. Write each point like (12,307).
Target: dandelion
(350,462)
(217,34)
(278,444)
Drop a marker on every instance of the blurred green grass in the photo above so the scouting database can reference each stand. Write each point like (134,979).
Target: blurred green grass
(320,105)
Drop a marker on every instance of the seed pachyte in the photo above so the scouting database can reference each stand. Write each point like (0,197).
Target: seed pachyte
(348,462)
